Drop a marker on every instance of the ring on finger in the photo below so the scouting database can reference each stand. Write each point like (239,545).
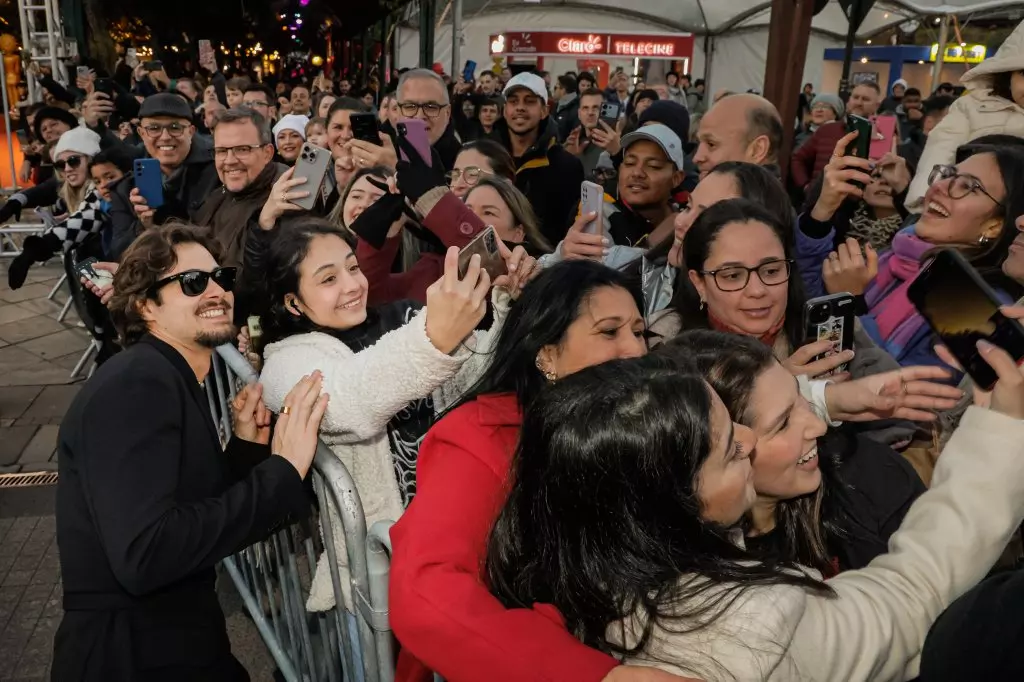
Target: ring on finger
(286,409)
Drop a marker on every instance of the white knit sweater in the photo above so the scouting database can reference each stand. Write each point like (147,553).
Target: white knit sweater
(367,389)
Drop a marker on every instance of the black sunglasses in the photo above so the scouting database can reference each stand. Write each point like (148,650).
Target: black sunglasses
(194,282)
(70,162)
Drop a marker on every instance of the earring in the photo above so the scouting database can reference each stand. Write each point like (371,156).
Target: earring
(982,240)
(548,374)
(702,304)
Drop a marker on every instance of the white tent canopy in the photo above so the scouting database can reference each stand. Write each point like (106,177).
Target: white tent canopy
(733,32)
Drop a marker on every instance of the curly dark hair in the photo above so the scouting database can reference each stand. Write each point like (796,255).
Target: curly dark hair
(145,262)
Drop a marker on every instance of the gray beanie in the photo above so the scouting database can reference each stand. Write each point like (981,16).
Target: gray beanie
(832,101)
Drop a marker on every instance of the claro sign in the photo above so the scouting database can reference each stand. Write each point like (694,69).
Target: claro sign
(557,43)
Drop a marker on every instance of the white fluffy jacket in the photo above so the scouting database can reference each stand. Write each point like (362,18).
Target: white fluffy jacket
(875,626)
(366,390)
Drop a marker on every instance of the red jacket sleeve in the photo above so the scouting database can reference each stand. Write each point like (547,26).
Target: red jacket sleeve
(802,164)
(453,222)
(387,286)
(441,611)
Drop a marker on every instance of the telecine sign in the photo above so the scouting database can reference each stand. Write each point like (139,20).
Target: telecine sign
(539,43)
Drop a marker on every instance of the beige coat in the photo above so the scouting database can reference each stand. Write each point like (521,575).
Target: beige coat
(875,626)
(977,113)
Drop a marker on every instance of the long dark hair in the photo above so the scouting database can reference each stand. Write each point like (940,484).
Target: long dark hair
(539,318)
(697,246)
(732,364)
(604,518)
(288,249)
(755,183)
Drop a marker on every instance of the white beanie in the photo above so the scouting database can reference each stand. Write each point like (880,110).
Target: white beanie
(295,122)
(80,139)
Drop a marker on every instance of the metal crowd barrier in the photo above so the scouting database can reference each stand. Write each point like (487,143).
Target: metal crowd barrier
(10,248)
(273,576)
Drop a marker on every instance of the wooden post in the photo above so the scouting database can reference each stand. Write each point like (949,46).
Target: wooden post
(789,31)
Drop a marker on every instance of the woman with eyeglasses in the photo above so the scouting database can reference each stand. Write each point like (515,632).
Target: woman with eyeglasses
(738,276)
(477,159)
(78,208)
(971,207)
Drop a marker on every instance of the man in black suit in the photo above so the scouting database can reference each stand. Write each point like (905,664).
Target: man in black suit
(148,502)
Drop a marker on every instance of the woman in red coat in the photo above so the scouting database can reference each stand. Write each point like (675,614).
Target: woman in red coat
(574,315)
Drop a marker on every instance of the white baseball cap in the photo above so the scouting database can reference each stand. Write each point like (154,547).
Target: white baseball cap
(531,82)
(661,135)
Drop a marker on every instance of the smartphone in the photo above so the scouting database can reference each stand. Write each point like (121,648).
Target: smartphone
(469,71)
(365,128)
(22,138)
(485,245)
(131,57)
(154,65)
(106,86)
(100,278)
(862,145)
(82,71)
(591,201)
(149,180)
(313,164)
(881,140)
(832,318)
(415,130)
(961,308)
(610,113)
(255,333)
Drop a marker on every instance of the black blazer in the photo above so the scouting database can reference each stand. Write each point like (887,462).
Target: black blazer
(147,504)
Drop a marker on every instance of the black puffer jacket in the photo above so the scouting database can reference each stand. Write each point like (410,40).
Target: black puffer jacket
(550,178)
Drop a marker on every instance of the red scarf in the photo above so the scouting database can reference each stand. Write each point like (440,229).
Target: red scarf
(768,338)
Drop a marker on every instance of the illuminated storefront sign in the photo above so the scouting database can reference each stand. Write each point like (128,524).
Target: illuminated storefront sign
(555,43)
(961,54)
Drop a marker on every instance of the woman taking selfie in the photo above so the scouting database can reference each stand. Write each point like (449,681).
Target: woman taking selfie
(384,367)
(971,207)
(826,498)
(573,315)
(738,279)
(664,583)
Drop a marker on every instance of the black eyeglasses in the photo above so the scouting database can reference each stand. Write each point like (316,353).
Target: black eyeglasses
(959,185)
(155,130)
(194,282)
(70,162)
(736,277)
(430,109)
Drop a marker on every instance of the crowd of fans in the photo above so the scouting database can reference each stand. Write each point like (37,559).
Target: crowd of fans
(620,458)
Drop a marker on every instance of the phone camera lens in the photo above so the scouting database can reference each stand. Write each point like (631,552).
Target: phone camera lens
(819,313)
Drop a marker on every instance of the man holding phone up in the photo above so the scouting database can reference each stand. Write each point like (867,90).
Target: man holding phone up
(186,164)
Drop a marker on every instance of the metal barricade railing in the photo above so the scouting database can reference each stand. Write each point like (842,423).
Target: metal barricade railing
(10,248)
(273,576)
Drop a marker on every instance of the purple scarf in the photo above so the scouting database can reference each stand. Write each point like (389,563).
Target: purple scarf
(895,315)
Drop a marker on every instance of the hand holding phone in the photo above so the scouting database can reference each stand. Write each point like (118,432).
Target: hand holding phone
(830,319)
(313,164)
(149,182)
(965,313)
(455,305)
(414,131)
(484,245)
(100,279)
(592,202)
(861,144)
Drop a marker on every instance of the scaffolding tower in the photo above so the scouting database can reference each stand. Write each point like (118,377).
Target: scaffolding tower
(42,35)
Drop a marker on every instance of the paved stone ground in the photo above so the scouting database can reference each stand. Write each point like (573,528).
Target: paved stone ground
(37,353)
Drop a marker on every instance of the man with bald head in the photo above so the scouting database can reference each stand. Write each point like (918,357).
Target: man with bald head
(742,127)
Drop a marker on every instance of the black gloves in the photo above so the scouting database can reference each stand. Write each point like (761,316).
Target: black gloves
(373,223)
(12,209)
(415,176)
(34,250)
